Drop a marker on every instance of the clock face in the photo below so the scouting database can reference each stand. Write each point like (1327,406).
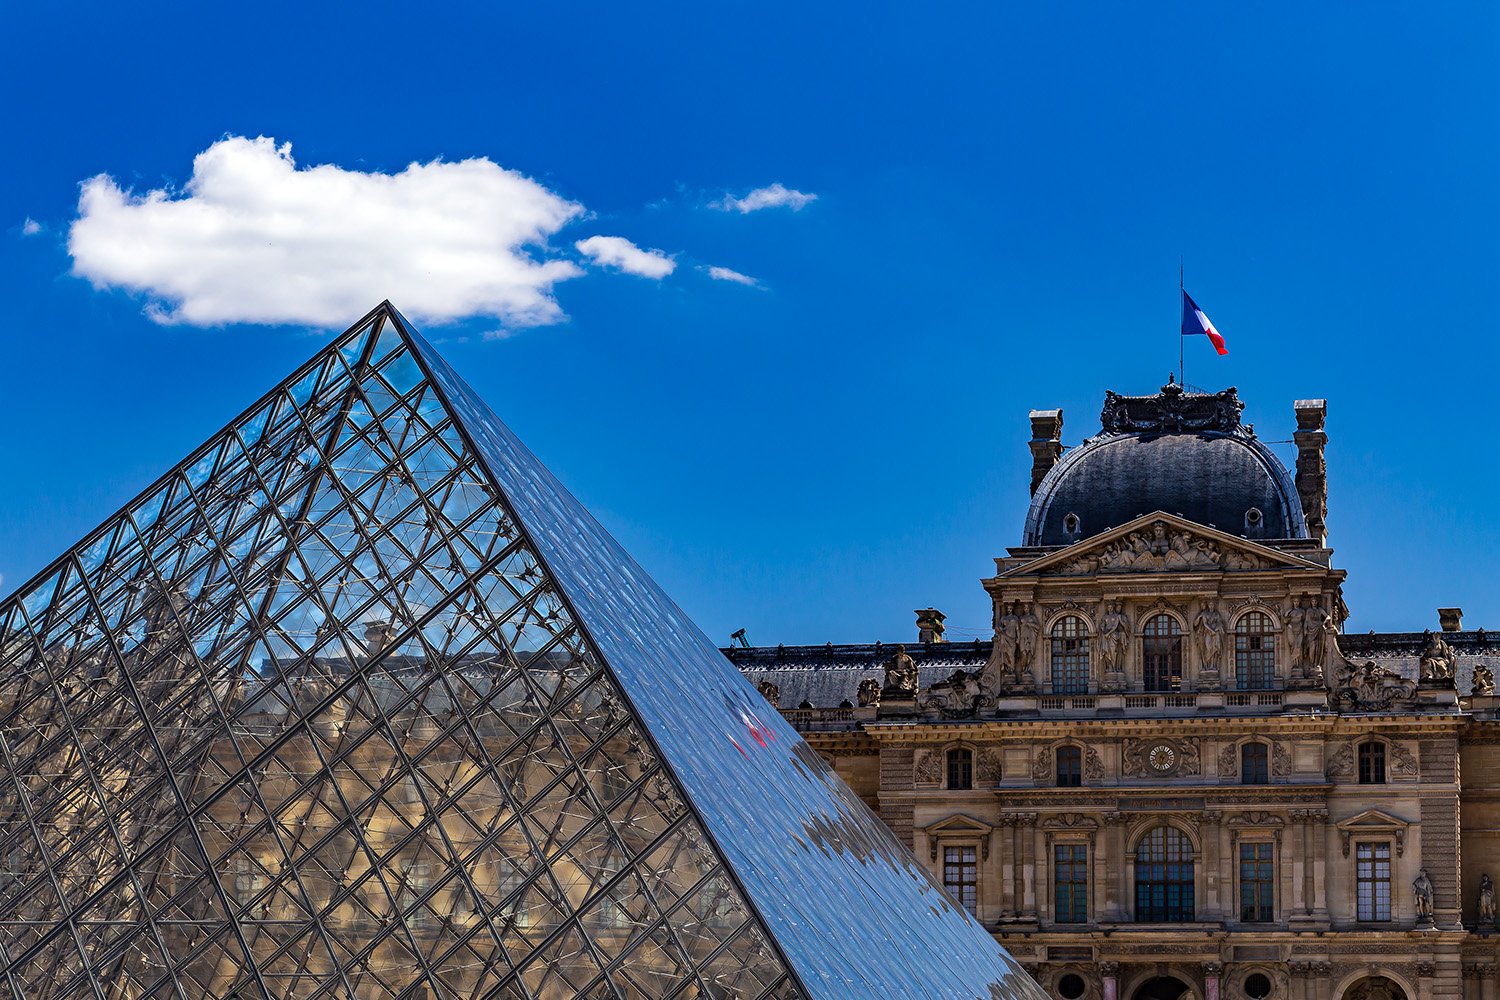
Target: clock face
(1163,758)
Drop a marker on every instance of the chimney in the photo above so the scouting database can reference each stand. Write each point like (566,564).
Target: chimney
(1046,443)
(1312,470)
(930,625)
(1451,619)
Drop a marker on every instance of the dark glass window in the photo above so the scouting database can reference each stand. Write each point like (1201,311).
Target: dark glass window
(1164,877)
(1372,763)
(1257,986)
(1071,986)
(1372,876)
(1257,883)
(1161,654)
(1255,764)
(1070,656)
(1070,883)
(961,876)
(960,768)
(1254,652)
(1069,767)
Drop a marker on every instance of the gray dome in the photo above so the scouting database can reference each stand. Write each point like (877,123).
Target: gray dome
(1178,452)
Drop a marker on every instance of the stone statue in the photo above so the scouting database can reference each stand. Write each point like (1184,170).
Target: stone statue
(962,695)
(1030,628)
(869,693)
(1114,640)
(1484,680)
(1438,661)
(770,692)
(1421,889)
(1317,632)
(1295,616)
(1486,900)
(900,677)
(1208,631)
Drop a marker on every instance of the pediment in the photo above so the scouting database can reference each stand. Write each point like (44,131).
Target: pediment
(1160,543)
(1373,822)
(958,825)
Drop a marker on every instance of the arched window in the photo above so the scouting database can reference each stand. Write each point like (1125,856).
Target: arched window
(1161,649)
(1069,767)
(1164,877)
(960,768)
(1372,763)
(1254,652)
(1070,656)
(1255,764)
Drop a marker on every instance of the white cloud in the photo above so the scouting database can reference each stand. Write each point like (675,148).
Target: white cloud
(30,227)
(725,274)
(620,253)
(253,239)
(775,196)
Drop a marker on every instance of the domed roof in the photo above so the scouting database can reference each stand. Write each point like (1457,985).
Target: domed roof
(1179,452)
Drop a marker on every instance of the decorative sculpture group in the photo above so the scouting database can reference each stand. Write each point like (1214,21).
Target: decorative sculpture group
(1162,549)
(1310,632)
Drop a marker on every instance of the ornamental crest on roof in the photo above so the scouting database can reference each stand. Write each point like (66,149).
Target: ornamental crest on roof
(1172,409)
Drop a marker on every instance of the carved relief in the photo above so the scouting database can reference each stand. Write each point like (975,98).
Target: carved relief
(1341,764)
(1173,409)
(1369,688)
(1403,763)
(1093,767)
(1281,760)
(1160,757)
(929,768)
(987,767)
(1043,767)
(1229,760)
(1256,818)
(1070,821)
(961,696)
(1162,549)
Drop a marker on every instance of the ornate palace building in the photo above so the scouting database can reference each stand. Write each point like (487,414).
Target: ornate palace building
(1169,774)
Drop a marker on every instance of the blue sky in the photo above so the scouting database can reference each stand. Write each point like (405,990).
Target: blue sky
(1002,196)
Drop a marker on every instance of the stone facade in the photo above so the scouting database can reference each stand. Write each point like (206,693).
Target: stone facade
(1169,774)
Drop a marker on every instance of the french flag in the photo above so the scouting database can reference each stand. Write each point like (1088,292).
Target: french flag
(1195,322)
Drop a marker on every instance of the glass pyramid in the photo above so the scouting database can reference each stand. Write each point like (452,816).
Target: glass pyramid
(359,702)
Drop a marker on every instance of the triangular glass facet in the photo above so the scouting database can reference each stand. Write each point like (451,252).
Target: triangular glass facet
(358,701)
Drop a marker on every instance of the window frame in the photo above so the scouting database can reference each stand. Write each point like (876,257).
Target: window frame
(1255,652)
(1070,669)
(961,759)
(1375,880)
(1377,762)
(1070,776)
(1149,909)
(1077,888)
(964,865)
(1263,766)
(1161,654)
(1265,879)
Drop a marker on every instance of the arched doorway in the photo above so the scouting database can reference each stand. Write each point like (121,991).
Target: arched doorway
(1375,988)
(1167,988)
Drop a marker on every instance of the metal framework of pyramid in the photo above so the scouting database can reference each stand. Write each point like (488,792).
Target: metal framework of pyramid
(359,702)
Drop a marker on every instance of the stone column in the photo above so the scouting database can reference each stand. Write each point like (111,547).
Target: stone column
(1114,867)
(1026,827)
(1299,861)
(1320,863)
(1211,973)
(1208,834)
(1008,866)
(1297,972)
(1109,979)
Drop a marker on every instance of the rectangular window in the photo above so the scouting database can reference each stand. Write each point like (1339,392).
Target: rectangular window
(1372,763)
(1070,883)
(961,875)
(1257,883)
(1372,876)
(1255,764)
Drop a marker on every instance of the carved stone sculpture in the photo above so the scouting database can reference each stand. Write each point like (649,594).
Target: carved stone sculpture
(1367,687)
(900,677)
(1438,660)
(962,695)
(1484,680)
(1017,631)
(1209,629)
(1161,549)
(1486,900)
(1114,641)
(1173,409)
(1421,888)
(869,693)
(1310,633)
(1030,633)
(770,692)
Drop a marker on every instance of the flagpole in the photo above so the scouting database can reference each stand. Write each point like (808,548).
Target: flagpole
(1181,350)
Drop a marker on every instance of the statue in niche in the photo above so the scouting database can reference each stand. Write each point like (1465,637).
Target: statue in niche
(1007,642)
(1438,660)
(1484,680)
(1421,889)
(1030,628)
(1486,900)
(1114,640)
(869,693)
(1209,629)
(900,676)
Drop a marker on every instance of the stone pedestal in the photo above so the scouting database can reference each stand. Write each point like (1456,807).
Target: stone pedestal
(896,704)
(1306,698)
